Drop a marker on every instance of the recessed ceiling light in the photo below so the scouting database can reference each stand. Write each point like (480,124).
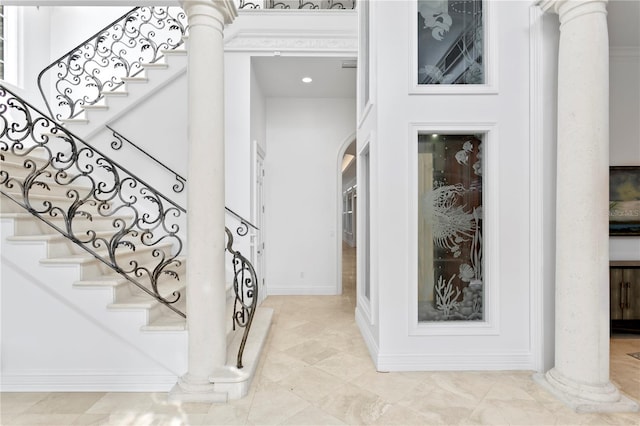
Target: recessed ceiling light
(307,80)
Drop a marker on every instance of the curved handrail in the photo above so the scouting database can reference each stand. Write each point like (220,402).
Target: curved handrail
(117,51)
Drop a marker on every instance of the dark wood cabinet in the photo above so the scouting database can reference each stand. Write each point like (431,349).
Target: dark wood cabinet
(624,281)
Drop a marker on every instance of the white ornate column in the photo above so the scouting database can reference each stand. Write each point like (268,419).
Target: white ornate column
(206,295)
(580,377)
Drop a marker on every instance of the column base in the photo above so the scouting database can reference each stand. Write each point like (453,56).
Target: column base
(189,390)
(583,398)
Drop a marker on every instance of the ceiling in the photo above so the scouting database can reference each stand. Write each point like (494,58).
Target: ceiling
(281,76)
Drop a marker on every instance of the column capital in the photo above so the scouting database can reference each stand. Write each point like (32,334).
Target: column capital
(570,9)
(226,8)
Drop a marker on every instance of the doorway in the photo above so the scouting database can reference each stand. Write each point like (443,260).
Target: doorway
(348,190)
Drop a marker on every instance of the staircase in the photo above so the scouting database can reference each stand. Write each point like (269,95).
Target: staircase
(81,218)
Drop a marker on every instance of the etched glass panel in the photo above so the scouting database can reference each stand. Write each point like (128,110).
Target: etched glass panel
(450,277)
(450,42)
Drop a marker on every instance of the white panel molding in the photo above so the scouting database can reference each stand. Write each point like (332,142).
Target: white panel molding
(340,43)
(85,381)
(490,58)
(536,191)
(316,290)
(455,361)
(369,307)
(491,232)
(369,339)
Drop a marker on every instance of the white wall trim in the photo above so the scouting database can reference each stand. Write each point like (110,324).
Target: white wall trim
(85,381)
(369,339)
(315,290)
(491,209)
(490,58)
(335,42)
(455,361)
(368,306)
(536,191)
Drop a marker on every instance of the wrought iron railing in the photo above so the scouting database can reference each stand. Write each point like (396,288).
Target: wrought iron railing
(297,4)
(245,286)
(117,51)
(106,210)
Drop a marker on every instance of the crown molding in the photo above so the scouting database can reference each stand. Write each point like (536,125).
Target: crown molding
(293,42)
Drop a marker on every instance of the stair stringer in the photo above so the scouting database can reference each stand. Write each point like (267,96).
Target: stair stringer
(57,337)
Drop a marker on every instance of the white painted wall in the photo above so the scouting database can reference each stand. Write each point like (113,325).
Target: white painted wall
(304,137)
(402,345)
(624,128)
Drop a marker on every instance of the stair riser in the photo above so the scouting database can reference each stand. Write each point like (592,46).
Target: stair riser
(126,290)
(30,225)
(158,310)
(38,203)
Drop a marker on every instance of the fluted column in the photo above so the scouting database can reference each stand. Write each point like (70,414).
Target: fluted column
(206,295)
(580,376)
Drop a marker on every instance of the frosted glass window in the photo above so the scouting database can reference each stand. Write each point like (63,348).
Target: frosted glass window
(450,42)
(450,271)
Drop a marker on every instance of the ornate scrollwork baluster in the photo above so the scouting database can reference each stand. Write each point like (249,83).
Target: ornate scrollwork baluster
(118,50)
(90,187)
(245,285)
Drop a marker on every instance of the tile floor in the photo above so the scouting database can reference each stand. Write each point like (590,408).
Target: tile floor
(317,372)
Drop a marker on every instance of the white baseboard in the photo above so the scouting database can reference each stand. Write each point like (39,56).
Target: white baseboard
(86,381)
(325,290)
(456,362)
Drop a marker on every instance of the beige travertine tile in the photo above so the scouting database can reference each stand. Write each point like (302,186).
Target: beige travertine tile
(345,365)
(311,383)
(311,351)
(353,405)
(125,402)
(66,403)
(392,387)
(273,403)
(42,419)
(278,365)
(312,416)
(404,416)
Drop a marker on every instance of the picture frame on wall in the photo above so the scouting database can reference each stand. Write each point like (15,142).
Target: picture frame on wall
(624,200)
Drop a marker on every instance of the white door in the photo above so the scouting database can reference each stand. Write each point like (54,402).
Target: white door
(258,238)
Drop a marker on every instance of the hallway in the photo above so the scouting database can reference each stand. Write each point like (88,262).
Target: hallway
(317,371)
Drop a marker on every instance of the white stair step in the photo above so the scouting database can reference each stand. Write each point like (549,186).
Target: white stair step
(114,93)
(174,52)
(95,107)
(58,244)
(27,224)
(156,65)
(134,80)
(77,120)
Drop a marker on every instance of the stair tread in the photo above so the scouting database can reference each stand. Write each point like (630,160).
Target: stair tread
(52,237)
(166,323)
(86,257)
